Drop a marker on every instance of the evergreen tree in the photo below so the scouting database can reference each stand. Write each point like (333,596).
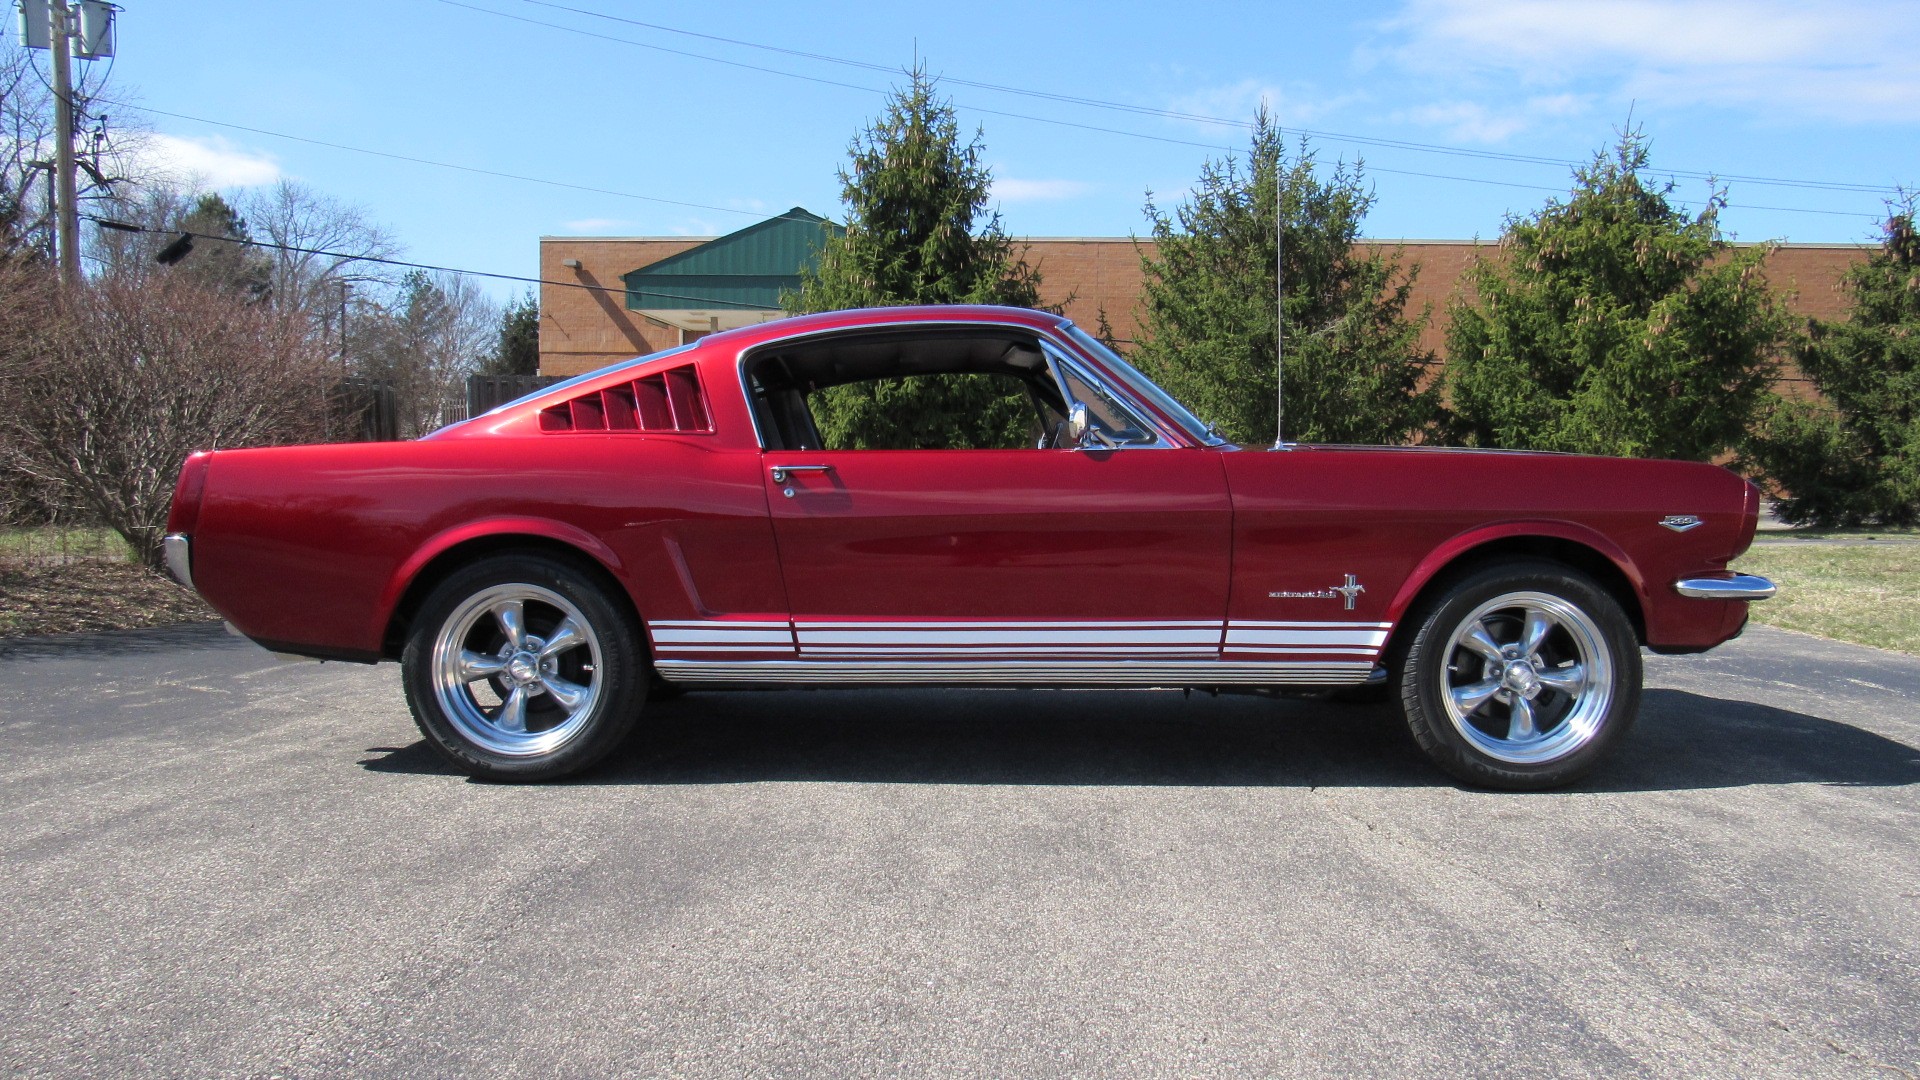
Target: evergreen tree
(1353,358)
(1853,458)
(1614,323)
(918,231)
(518,350)
(225,267)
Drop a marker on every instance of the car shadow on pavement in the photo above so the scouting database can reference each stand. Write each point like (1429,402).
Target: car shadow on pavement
(1683,741)
(182,637)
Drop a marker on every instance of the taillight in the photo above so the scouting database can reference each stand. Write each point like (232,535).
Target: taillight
(185,515)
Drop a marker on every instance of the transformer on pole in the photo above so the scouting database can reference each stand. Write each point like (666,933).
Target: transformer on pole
(36,24)
(82,30)
(96,30)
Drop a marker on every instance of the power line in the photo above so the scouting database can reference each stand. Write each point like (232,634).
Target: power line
(499,174)
(347,257)
(1141,110)
(439,164)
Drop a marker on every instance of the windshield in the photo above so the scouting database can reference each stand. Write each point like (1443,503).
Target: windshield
(1143,387)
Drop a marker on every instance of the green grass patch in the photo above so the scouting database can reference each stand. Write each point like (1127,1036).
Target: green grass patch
(1861,592)
(58,542)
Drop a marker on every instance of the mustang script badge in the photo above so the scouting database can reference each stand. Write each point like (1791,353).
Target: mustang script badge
(1349,592)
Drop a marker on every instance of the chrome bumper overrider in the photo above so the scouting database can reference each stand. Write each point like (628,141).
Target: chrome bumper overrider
(176,550)
(1737,587)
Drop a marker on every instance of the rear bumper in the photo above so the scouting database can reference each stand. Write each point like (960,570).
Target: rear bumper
(1736,587)
(176,550)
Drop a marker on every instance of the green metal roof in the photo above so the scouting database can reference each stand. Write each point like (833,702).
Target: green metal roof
(747,269)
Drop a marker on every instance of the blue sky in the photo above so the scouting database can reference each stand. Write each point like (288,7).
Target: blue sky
(1826,93)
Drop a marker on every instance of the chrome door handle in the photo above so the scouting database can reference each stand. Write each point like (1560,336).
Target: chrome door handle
(781,472)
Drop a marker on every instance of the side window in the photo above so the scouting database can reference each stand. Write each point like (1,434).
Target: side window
(1107,415)
(958,411)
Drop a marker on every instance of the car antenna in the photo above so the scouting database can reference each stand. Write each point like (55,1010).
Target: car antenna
(1280,320)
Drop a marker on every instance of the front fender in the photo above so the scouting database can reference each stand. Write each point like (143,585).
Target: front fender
(1462,543)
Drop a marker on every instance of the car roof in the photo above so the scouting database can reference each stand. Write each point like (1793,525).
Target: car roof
(826,321)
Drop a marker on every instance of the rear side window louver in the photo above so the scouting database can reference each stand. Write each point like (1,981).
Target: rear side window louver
(664,401)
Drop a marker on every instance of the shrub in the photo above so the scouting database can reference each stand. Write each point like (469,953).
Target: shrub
(1853,458)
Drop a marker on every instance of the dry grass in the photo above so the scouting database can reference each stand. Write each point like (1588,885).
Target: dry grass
(60,580)
(76,597)
(1860,592)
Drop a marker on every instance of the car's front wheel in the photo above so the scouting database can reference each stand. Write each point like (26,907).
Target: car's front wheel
(1521,677)
(520,667)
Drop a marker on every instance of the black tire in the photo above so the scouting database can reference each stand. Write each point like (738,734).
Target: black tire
(1584,674)
(609,665)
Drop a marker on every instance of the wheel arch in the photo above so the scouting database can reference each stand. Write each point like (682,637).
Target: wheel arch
(1579,549)
(446,553)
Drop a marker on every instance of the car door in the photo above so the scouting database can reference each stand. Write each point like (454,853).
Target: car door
(1057,563)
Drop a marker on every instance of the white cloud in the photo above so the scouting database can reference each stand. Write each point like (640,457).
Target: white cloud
(1007,189)
(1846,60)
(210,161)
(1471,121)
(1239,101)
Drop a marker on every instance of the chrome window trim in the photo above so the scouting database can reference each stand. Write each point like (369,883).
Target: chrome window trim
(1057,359)
(1204,435)
(1045,337)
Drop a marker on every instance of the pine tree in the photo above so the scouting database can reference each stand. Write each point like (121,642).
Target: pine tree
(518,350)
(1615,323)
(1353,359)
(1853,458)
(918,231)
(226,267)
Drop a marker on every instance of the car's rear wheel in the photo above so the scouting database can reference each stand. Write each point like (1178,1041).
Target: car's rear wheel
(1521,677)
(520,667)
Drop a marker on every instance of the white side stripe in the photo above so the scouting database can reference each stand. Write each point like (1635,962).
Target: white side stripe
(1236,636)
(998,641)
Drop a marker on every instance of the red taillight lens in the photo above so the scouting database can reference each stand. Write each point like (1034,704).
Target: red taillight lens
(185,514)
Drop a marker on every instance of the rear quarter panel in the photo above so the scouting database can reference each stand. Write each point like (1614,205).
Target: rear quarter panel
(313,545)
(1394,518)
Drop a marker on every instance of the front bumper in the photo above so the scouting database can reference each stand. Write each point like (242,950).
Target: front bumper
(1737,587)
(176,550)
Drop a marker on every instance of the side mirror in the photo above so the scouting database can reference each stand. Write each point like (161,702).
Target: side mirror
(1077,423)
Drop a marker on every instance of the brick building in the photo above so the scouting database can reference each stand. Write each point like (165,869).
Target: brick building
(653,292)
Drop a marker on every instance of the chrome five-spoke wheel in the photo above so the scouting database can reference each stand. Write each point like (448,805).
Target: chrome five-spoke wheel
(1521,676)
(525,666)
(1528,679)
(517,669)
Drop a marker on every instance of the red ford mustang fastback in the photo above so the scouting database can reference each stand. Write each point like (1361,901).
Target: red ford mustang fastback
(679,521)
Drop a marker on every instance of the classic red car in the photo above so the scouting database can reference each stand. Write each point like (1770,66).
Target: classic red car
(679,521)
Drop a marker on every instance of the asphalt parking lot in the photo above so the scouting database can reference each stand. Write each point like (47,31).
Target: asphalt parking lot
(216,863)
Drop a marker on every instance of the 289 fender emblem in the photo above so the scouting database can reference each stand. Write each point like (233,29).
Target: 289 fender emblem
(1681,522)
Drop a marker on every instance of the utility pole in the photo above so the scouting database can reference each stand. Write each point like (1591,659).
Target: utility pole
(67,201)
(55,25)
